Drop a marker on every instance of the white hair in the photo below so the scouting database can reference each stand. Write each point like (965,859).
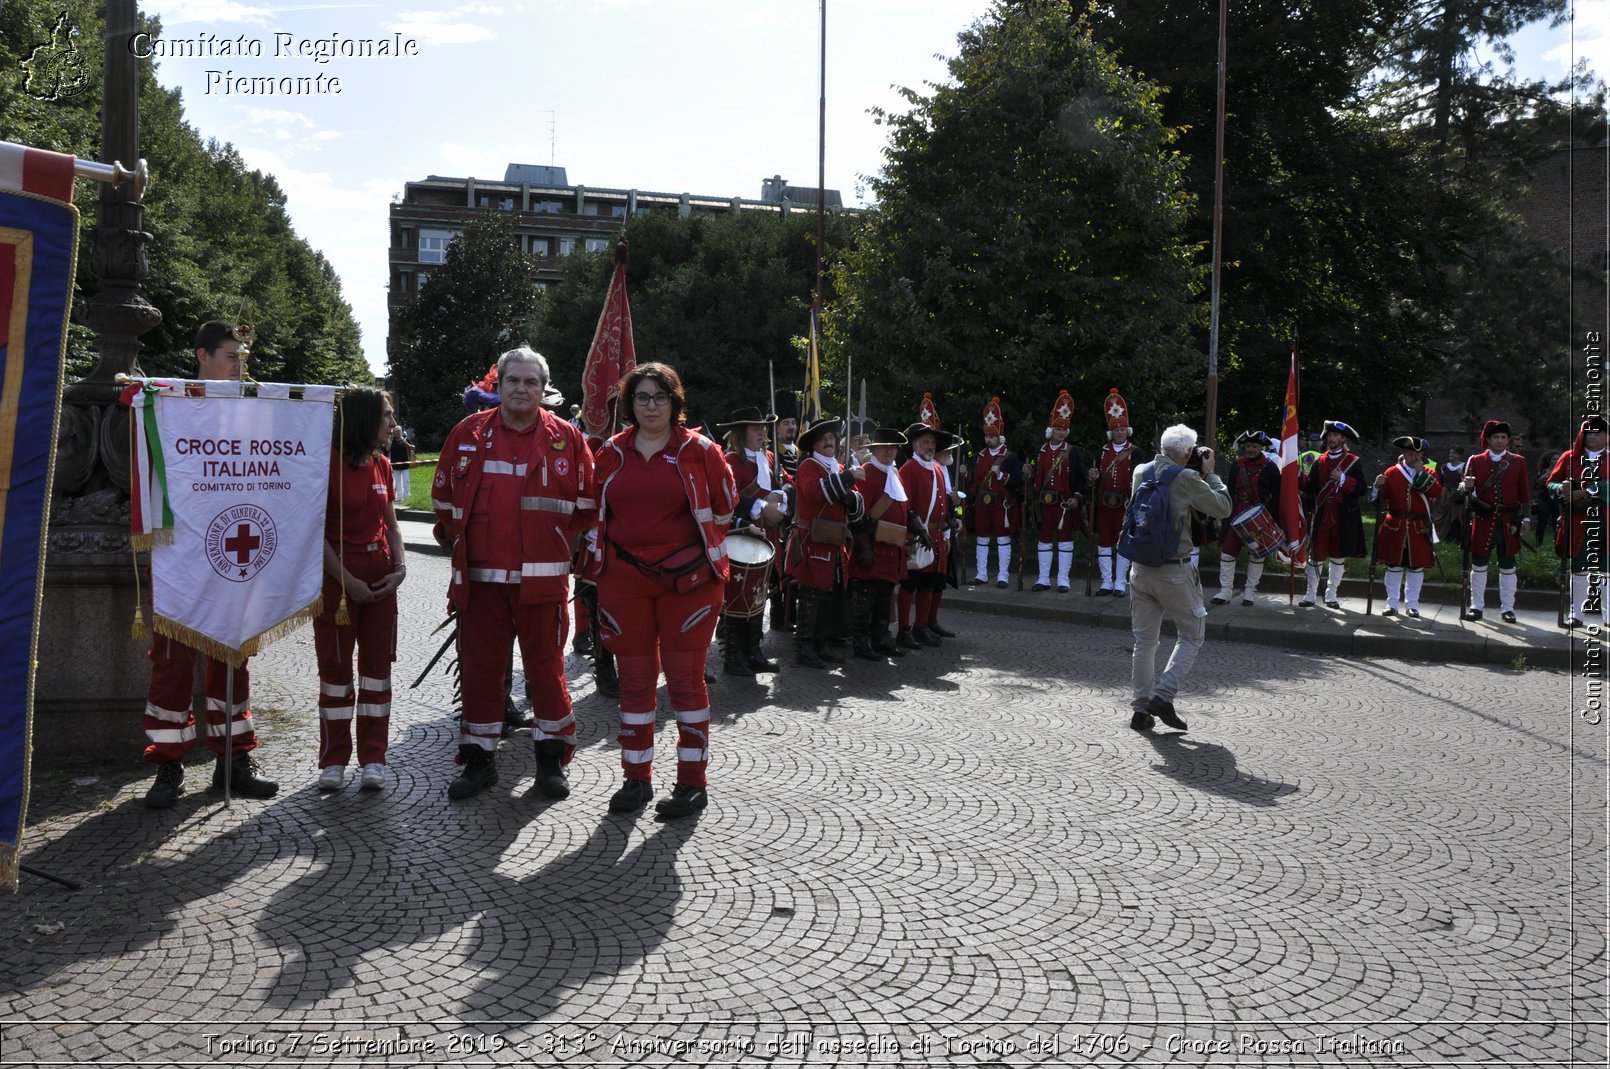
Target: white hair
(1177,440)
(524,355)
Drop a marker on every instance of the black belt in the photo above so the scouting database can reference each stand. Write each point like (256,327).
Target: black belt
(1176,560)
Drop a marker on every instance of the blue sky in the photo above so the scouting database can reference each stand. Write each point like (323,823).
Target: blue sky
(699,96)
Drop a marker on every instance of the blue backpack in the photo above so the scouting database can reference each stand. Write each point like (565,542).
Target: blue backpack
(1149,536)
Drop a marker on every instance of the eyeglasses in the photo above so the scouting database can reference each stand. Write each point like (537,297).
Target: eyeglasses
(651,400)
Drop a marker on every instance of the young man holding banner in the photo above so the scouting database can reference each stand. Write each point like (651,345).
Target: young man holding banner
(169,722)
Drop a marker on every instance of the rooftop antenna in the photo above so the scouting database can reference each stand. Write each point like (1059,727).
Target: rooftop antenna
(553,135)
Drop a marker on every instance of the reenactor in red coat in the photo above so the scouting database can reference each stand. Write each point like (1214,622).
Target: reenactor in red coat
(1578,481)
(926,485)
(1331,493)
(1058,495)
(1110,480)
(1252,481)
(1499,492)
(996,488)
(1406,539)
(826,503)
(763,504)
(878,556)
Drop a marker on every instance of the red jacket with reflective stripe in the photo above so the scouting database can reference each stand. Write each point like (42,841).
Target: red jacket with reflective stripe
(712,494)
(557,499)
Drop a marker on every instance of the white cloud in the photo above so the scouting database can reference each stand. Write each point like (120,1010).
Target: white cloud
(213,12)
(307,190)
(1588,37)
(441,27)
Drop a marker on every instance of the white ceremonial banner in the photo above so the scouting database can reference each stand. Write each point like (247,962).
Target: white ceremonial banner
(245,480)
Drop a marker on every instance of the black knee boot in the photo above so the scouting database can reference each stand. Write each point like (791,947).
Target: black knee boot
(827,623)
(861,622)
(805,631)
(734,639)
(754,631)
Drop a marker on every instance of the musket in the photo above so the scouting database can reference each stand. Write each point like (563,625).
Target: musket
(776,442)
(452,636)
(1023,527)
(1090,533)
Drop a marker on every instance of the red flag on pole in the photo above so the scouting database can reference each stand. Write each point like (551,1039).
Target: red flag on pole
(611,355)
(1291,507)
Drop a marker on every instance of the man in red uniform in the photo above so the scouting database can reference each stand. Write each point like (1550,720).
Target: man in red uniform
(1499,492)
(878,559)
(924,583)
(1406,535)
(826,503)
(1331,493)
(1110,480)
(1578,481)
(1059,483)
(514,486)
(1254,480)
(996,489)
(763,490)
(169,720)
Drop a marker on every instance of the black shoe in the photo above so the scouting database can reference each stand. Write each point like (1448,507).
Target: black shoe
(906,640)
(926,637)
(1574,621)
(1000,584)
(1306,603)
(1104,592)
(1220,599)
(551,779)
(243,778)
(1164,711)
(167,787)
(1062,589)
(979,580)
(828,655)
(866,651)
(1246,603)
(941,631)
(1041,586)
(709,677)
(1120,593)
(1413,612)
(683,802)
(1141,721)
(1473,614)
(480,772)
(887,646)
(1389,611)
(1329,604)
(633,795)
(582,644)
(513,718)
(755,631)
(1507,616)
(805,656)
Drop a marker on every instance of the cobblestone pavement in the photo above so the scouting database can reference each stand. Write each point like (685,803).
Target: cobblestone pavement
(964,859)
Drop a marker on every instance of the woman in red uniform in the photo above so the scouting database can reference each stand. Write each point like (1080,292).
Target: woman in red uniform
(665,499)
(363,562)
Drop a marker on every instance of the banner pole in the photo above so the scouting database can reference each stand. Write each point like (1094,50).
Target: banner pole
(229,728)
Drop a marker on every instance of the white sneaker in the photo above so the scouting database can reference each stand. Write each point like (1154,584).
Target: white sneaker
(374,777)
(332,777)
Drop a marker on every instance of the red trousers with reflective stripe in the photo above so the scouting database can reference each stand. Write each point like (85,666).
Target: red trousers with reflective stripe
(169,723)
(493,618)
(648,627)
(374,631)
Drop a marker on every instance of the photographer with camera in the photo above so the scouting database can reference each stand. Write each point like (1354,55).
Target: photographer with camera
(1182,475)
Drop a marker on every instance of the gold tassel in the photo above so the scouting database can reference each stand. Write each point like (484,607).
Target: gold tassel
(139,632)
(343,618)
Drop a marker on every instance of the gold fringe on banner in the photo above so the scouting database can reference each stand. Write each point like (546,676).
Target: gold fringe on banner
(8,867)
(142,543)
(220,652)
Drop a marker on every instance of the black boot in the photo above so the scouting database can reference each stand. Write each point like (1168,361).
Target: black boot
(167,787)
(735,647)
(861,622)
(480,772)
(551,779)
(805,632)
(906,640)
(826,625)
(243,778)
(754,632)
(604,675)
(881,640)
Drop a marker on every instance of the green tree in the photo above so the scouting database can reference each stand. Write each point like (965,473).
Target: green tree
(220,231)
(1028,236)
(715,297)
(477,305)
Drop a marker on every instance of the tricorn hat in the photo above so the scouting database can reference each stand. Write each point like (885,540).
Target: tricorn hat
(1341,428)
(747,416)
(808,437)
(1253,436)
(942,439)
(1409,441)
(887,436)
(1594,423)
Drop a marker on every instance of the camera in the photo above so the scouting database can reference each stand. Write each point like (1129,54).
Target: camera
(1198,455)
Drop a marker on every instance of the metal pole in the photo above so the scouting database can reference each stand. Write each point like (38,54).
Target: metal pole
(229,727)
(821,173)
(1218,234)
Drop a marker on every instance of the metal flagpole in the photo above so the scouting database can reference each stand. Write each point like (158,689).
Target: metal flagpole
(229,728)
(1218,234)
